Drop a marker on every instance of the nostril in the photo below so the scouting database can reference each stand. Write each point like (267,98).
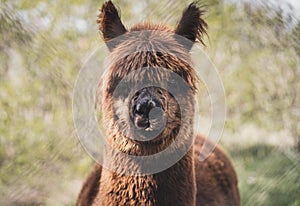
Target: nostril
(138,108)
(151,104)
(144,108)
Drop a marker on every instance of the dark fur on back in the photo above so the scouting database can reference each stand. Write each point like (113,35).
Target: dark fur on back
(188,182)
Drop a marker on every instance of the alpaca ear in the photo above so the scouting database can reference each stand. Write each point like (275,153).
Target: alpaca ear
(110,24)
(191,26)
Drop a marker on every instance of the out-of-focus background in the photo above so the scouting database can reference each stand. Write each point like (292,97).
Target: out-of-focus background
(254,44)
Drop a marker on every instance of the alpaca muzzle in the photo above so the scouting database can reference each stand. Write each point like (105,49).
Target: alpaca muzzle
(147,110)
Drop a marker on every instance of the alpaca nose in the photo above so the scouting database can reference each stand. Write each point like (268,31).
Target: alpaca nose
(144,106)
(147,107)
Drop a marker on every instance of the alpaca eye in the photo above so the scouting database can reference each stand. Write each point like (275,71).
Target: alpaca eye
(173,86)
(122,90)
(126,89)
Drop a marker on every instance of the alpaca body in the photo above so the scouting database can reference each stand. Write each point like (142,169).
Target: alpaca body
(216,184)
(157,118)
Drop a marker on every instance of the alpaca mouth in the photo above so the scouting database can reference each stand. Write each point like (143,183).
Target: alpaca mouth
(153,121)
(149,127)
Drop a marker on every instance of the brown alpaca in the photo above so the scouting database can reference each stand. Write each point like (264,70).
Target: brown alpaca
(138,55)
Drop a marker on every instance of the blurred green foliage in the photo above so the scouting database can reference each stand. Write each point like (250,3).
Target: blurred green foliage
(267,175)
(43,44)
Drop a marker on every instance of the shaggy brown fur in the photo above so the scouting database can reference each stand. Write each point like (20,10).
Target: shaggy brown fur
(215,178)
(188,182)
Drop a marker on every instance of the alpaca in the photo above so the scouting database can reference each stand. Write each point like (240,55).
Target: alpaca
(132,117)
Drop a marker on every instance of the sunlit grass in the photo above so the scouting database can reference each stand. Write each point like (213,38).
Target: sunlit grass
(267,175)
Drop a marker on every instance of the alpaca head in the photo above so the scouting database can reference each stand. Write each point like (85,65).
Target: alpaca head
(150,84)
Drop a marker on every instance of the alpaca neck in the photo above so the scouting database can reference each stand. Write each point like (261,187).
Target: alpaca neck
(173,186)
(176,185)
